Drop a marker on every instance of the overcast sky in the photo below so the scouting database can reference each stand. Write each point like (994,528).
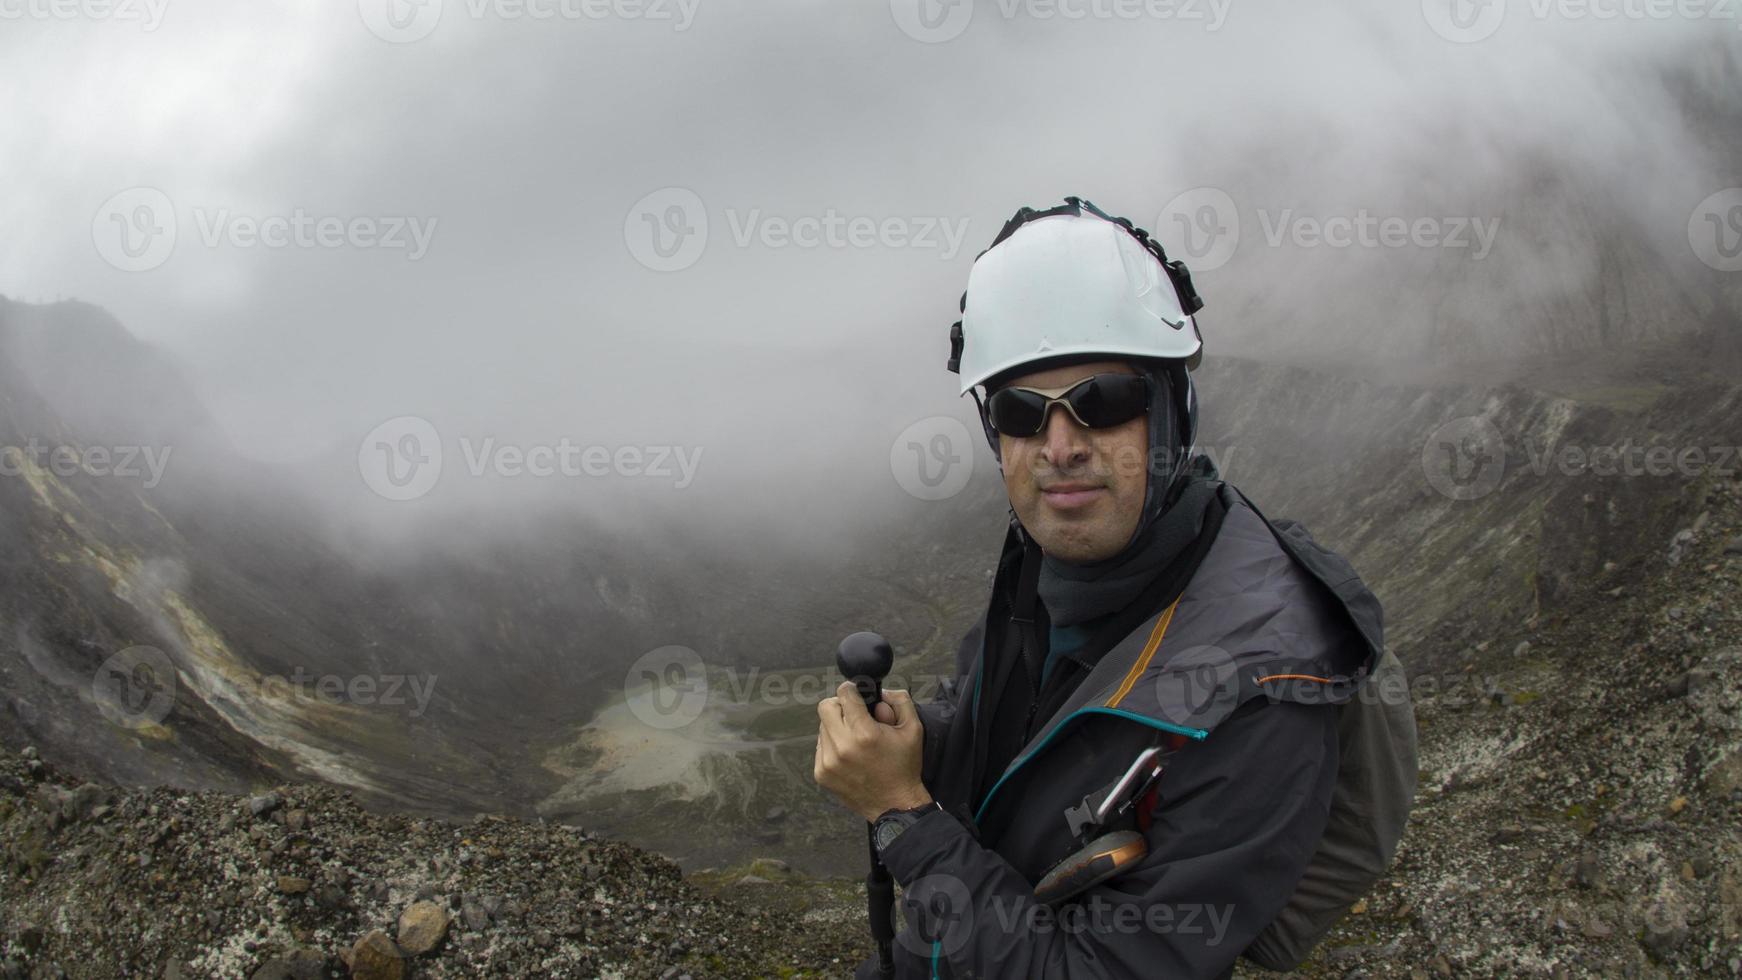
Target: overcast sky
(493,182)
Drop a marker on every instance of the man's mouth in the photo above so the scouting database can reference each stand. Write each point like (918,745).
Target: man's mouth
(1071,495)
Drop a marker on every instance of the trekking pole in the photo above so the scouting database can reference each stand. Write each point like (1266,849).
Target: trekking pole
(865,659)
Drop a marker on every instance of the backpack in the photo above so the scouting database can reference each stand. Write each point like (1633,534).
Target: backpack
(1376,775)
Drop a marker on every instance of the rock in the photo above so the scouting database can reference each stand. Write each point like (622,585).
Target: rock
(374,957)
(295,820)
(753,880)
(85,801)
(1666,928)
(1596,928)
(775,814)
(1733,546)
(28,752)
(1521,649)
(1587,871)
(421,927)
(473,914)
(1690,683)
(292,885)
(769,867)
(263,804)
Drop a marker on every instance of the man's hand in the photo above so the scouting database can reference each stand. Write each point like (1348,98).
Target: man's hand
(870,764)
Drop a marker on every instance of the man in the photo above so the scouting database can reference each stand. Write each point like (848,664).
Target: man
(1133,772)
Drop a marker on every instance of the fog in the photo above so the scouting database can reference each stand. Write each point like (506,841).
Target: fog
(465,217)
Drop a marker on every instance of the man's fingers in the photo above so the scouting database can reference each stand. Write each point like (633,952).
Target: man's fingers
(853,712)
(901,702)
(829,710)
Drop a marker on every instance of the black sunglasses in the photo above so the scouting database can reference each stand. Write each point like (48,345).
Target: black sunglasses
(1099,401)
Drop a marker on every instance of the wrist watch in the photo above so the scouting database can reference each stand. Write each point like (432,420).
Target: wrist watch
(891,823)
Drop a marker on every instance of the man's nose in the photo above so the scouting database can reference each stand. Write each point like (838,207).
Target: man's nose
(1067,443)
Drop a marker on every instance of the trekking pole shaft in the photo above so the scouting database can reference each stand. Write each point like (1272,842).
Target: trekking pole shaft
(880,893)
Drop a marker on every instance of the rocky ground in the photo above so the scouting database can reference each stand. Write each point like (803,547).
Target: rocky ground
(301,882)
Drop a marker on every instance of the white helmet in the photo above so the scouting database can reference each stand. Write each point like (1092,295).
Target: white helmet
(1072,281)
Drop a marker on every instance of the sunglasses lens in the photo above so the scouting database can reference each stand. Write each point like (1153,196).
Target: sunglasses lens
(1016,413)
(1110,399)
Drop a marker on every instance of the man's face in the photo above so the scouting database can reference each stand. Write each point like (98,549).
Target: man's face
(1079,491)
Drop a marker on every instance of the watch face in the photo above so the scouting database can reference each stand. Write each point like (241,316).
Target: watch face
(887,831)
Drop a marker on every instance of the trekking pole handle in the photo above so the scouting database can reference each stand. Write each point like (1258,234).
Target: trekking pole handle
(865,659)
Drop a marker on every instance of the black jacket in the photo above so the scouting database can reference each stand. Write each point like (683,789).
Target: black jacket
(1247,664)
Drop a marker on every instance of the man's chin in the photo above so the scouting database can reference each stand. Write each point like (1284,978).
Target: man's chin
(1073,543)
